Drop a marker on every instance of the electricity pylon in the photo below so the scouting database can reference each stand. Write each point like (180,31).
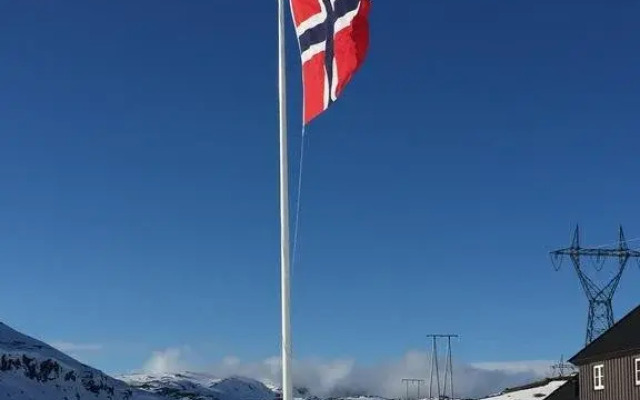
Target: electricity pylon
(600,295)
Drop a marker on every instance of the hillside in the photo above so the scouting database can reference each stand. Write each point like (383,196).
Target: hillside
(200,386)
(33,370)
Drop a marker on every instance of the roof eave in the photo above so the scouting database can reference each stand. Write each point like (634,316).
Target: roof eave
(577,360)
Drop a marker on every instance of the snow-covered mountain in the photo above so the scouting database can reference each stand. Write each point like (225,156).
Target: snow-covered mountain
(33,370)
(200,386)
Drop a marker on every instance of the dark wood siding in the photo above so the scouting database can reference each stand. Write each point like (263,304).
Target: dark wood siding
(619,380)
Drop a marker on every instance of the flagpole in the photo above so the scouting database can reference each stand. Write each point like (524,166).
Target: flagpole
(287,386)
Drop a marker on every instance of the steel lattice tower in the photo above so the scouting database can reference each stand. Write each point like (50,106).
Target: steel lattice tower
(411,380)
(600,296)
(435,368)
(561,367)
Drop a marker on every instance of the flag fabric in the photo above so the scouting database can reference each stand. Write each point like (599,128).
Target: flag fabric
(334,37)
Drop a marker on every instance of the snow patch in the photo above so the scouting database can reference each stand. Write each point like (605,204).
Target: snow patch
(534,393)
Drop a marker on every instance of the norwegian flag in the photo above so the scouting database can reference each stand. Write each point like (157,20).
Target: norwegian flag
(334,37)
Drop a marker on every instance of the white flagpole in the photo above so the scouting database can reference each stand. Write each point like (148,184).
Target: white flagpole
(287,386)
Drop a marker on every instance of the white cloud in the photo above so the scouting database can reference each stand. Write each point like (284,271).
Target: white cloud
(348,377)
(76,347)
(536,367)
(166,361)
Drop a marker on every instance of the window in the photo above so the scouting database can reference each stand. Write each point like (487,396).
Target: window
(598,377)
(637,364)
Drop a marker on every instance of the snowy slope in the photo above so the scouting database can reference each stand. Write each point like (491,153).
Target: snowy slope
(199,386)
(535,393)
(33,370)
(298,392)
(362,398)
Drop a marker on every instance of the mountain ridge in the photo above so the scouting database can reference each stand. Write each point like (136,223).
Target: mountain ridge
(30,369)
(33,370)
(203,386)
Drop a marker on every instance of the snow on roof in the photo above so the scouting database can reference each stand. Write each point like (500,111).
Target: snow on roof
(536,393)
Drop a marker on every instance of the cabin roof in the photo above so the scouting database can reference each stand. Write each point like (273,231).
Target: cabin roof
(621,340)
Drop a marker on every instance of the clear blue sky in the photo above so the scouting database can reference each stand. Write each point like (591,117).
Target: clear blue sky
(138,164)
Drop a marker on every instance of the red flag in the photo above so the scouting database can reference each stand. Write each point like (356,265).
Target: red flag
(334,37)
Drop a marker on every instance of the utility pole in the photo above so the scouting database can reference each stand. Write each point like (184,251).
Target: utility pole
(411,380)
(435,367)
(561,367)
(600,295)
